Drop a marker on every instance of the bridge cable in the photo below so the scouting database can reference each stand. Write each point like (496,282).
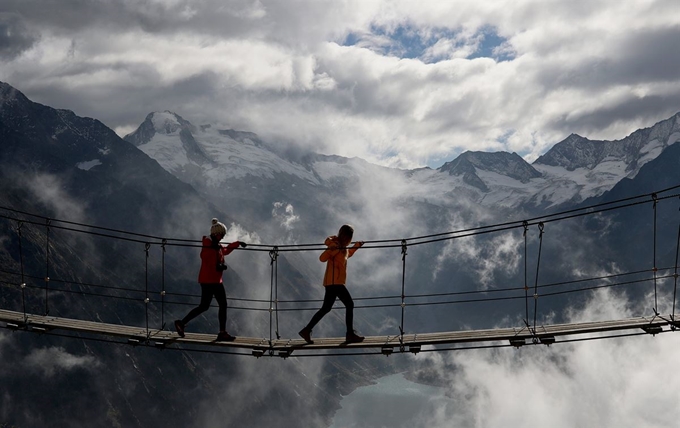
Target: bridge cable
(403,285)
(590,288)
(47,264)
(274,292)
(525,224)
(654,269)
(146,287)
(476,230)
(23,278)
(457,293)
(675,278)
(275,275)
(538,265)
(163,283)
(546,218)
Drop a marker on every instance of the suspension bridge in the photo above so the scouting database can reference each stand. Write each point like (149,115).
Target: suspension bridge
(529,333)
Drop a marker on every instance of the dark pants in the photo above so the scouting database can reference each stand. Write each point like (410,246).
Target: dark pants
(335,292)
(207,293)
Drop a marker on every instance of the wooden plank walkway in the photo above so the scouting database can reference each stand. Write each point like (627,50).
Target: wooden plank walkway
(544,334)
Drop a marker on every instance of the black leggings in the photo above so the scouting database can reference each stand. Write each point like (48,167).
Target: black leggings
(333,292)
(207,293)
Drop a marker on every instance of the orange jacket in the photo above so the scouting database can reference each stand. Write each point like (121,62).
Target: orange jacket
(210,254)
(336,261)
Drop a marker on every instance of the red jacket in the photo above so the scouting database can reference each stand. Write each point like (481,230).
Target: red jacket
(210,255)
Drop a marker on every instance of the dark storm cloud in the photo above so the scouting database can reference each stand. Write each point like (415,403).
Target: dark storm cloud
(639,57)
(649,56)
(151,16)
(643,110)
(15,37)
(70,16)
(182,97)
(279,69)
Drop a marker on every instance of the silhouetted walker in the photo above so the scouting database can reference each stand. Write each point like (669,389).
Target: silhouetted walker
(335,257)
(210,278)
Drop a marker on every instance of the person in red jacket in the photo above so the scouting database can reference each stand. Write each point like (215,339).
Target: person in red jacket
(335,257)
(210,278)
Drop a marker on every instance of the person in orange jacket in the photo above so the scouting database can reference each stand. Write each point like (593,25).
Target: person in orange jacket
(335,257)
(210,278)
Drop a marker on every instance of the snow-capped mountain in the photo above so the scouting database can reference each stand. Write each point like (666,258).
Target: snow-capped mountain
(572,171)
(215,155)
(237,169)
(587,168)
(57,164)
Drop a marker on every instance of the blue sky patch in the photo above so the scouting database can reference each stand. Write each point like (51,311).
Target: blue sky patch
(406,41)
(491,46)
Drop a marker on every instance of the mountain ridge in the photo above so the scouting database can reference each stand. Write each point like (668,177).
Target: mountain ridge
(633,150)
(574,169)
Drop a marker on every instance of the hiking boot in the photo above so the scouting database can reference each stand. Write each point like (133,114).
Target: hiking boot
(223,336)
(306,334)
(353,337)
(179,327)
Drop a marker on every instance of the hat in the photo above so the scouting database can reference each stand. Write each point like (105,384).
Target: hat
(217,228)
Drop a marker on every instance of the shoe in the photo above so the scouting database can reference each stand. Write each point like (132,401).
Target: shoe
(223,336)
(306,334)
(179,327)
(353,337)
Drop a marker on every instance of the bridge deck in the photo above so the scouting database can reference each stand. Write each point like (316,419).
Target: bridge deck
(39,322)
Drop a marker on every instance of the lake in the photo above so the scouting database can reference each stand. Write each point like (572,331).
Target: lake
(392,402)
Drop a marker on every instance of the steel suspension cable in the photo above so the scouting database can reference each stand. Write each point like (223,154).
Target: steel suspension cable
(146,287)
(163,284)
(403,294)
(276,293)
(526,286)
(675,275)
(403,287)
(47,265)
(273,295)
(23,278)
(436,303)
(654,198)
(538,265)
(503,226)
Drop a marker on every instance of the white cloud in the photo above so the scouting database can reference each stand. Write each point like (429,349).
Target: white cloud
(284,213)
(605,383)
(50,361)
(236,232)
(280,71)
(48,189)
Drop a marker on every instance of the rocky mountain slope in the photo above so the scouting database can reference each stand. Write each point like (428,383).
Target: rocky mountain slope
(573,170)
(180,175)
(61,166)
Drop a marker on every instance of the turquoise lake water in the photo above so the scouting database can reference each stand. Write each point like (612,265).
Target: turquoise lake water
(392,402)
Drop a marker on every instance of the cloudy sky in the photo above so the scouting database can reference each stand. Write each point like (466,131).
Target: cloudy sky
(399,83)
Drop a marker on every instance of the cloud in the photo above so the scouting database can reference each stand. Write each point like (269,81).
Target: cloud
(599,69)
(236,232)
(54,360)
(48,189)
(284,213)
(15,37)
(605,383)
(488,256)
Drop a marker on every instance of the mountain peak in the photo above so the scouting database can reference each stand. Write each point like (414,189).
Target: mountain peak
(163,123)
(10,95)
(7,91)
(632,151)
(468,164)
(166,122)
